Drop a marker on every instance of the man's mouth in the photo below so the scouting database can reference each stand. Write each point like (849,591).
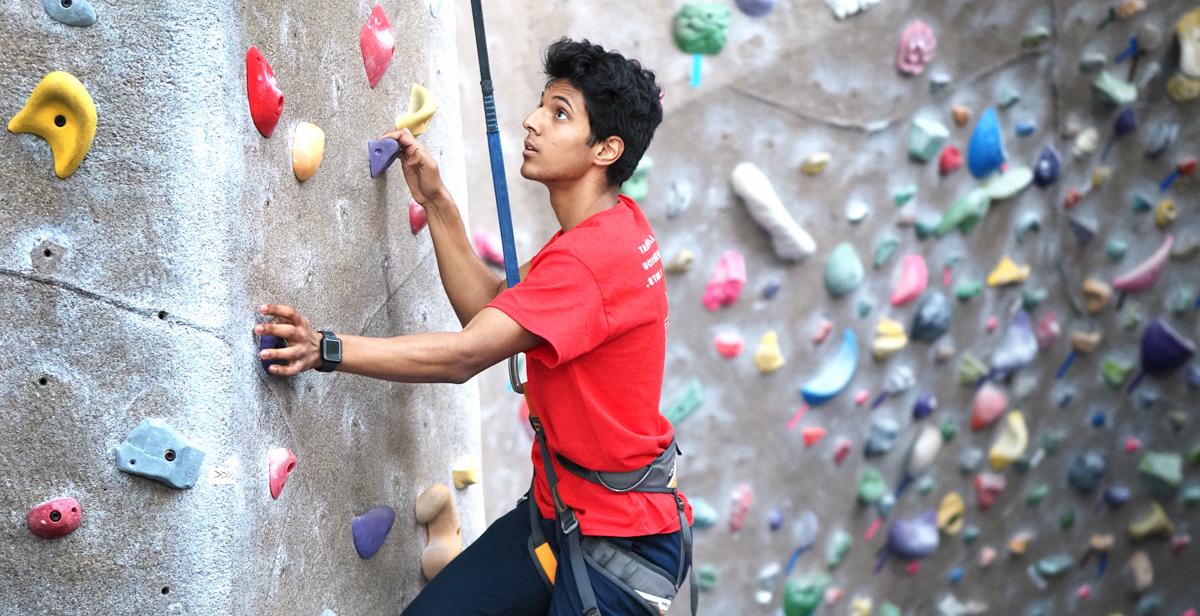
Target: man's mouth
(529,147)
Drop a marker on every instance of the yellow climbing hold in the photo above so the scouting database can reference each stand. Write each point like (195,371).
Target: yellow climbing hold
(1182,88)
(1007,272)
(1011,443)
(767,356)
(861,606)
(421,107)
(1153,524)
(1164,214)
(950,514)
(61,111)
(308,147)
(465,473)
(815,163)
(889,338)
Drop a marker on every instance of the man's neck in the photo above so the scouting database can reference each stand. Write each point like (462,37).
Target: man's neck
(575,202)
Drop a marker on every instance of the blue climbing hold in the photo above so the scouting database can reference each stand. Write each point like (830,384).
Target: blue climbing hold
(924,406)
(155,451)
(1126,122)
(270,342)
(836,375)
(756,8)
(956,575)
(1026,128)
(985,151)
(383,153)
(371,529)
(1164,350)
(1116,496)
(1047,168)
(71,12)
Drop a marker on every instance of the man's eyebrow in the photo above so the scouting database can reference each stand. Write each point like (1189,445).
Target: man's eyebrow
(564,99)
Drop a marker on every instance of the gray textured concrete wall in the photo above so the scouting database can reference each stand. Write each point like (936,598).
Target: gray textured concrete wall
(179,223)
(798,82)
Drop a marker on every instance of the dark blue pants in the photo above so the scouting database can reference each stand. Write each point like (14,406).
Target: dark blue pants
(496,576)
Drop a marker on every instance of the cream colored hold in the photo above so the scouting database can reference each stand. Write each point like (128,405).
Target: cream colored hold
(435,509)
(308,148)
(421,107)
(791,242)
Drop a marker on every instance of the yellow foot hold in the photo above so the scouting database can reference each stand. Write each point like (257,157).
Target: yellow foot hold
(1007,272)
(889,338)
(421,107)
(308,147)
(61,111)
(767,356)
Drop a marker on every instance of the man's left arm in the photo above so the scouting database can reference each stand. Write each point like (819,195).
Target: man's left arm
(489,338)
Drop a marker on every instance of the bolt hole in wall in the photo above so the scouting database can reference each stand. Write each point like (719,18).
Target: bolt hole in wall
(169,455)
(55,516)
(60,121)
(49,253)
(162,314)
(43,381)
(165,590)
(66,4)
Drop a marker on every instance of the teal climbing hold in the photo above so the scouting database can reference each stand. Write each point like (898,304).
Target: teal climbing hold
(871,486)
(685,403)
(71,12)
(153,450)
(1114,90)
(836,374)
(843,271)
(837,548)
(704,515)
(904,194)
(638,184)
(884,251)
(926,138)
(1054,565)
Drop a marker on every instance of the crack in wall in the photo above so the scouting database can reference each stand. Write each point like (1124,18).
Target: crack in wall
(392,294)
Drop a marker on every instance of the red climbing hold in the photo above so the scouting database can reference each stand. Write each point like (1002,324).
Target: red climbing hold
(912,568)
(812,435)
(416,217)
(950,160)
(741,499)
(987,487)
(1073,197)
(1187,166)
(280,463)
(266,99)
(990,403)
(841,450)
(378,43)
(55,518)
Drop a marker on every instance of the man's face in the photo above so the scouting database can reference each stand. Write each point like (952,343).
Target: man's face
(556,141)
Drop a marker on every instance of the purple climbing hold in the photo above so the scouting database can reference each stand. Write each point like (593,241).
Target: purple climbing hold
(1126,122)
(383,152)
(771,289)
(756,8)
(924,406)
(371,529)
(775,520)
(1116,496)
(916,537)
(1047,168)
(1164,350)
(270,342)
(1019,347)
(985,151)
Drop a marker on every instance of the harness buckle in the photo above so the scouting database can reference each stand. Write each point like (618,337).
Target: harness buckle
(567,521)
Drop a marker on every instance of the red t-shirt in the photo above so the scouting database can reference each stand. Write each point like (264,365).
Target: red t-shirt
(597,296)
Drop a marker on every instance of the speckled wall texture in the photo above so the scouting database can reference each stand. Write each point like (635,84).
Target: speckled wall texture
(128,291)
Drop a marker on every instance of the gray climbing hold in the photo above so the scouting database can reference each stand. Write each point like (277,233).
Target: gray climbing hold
(932,318)
(1087,469)
(71,12)
(1092,62)
(1157,136)
(155,451)
(938,81)
(1083,230)
(881,437)
(969,459)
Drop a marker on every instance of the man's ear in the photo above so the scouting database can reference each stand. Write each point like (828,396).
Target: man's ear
(608,151)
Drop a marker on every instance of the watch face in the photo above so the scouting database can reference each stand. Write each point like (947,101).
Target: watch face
(333,349)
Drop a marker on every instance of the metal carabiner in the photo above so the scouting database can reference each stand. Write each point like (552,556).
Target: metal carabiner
(514,375)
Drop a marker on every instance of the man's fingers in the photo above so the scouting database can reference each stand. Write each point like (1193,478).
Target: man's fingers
(281,330)
(279,311)
(288,354)
(285,370)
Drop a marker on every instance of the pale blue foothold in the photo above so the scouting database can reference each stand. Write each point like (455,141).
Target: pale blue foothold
(697,69)
(155,451)
(985,151)
(71,12)
(836,375)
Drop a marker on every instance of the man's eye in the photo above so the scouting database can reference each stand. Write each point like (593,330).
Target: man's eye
(562,115)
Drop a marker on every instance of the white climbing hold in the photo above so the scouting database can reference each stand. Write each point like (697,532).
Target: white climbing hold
(845,8)
(791,242)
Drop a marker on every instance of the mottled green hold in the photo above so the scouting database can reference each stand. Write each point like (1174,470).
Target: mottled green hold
(1052,440)
(1116,249)
(926,138)
(701,27)
(885,250)
(1181,299)
(1131,315)
(1008,97)
(687,402)
(1036,495)
(949,429)
(1163,471)
(844,270)
(864,308)
(1066,520)
(871,486)
(1116,371)
(926,226)
(965,213)
(1035,37)
(803,594)
(704,515)
(890,609)
(904,194)
(970,370)
(837,548)
(706,577)
(1191,494)
(1029,222)
(1054,565)
(1114,90)
(967,289)
(1031,298)
(638,184)
(1193,456)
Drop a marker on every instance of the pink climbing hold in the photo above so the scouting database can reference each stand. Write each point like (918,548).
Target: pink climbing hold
(912,568)
(726,283)
(1133,444)
(1084,592)
(1190,612)
(1048,330)
(416,217)
(1148,271)
(987,487)
(990,403)
(947,275)
(729,344)
(378,43)
(876,524)
(916,48)
(264,95)
(55,518)
(992,324)
(913,278)
(280,463)
(822,331)
(741,499)
(812,435)
(861,396)
(834,594)
(488,247)
(1179,542)
(841,450)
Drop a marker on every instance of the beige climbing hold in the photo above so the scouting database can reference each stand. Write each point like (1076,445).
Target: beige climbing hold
(950,514)
(889,338)
(1011,442)
(1007,272)
(1129,8)
(861,606)
(943,352)
(1019,544)
(681,262)
(1086,142)
(815,163)
(435,509)
(767,356)
(1188,31)
(1183,89)
(421,107)
(961,114)
(1102,543)
(308,147)
(1096,294)
(1100,176)
(465,473)
(1153,524)
(1165,213)
(1085,342)
(1140,571)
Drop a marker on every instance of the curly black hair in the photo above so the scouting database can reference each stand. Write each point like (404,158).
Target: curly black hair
(620,95)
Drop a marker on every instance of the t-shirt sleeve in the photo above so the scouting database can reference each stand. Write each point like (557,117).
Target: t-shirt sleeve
(560,301)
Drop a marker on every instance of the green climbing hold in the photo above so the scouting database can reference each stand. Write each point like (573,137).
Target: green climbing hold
(1031,298)
(706,577)
(1115,249)
(1181,299)
(1051,566)
(1193,456)
(926,138)
(967,289)
(1036,495)
(949,429)
(890,609)
(1191,494)
(926,226)
(1007,183)
(971,370)
(1066,520)
(864,308)
(1052,440)
(1114,90)
(803,594)
(843,270)
(1163,471)
(638,185)
(685,403)
(701,27)
(1035,36)
(871,486)
(835,551)
(885,250)
(1008,96)
(1131,315)
(965,213)
(904,194)
(1116,371)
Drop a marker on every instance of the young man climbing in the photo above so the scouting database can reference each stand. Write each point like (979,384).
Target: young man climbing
(603,530)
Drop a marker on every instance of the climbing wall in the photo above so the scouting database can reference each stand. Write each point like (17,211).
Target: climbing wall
(854,147)
(129,290)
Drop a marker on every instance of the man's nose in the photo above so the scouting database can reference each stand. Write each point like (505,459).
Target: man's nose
(529,123)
